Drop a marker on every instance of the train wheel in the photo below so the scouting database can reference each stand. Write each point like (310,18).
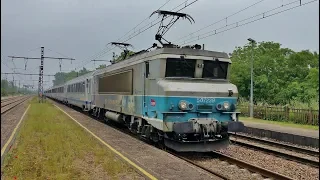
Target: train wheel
(106,120)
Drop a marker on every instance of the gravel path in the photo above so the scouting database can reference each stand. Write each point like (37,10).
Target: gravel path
(157,162)
(9,121)
(306,156)
(230,171)
(286,167)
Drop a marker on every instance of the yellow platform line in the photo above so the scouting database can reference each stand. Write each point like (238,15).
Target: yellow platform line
(13,133)
(111,148)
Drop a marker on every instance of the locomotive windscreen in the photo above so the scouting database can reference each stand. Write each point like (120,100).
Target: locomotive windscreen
(120,83)
(215,69)
(176,67)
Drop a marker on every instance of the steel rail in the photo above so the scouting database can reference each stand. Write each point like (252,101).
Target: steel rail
(279,154)
(198,165)
(13,100)
(7,99)
(278,144)
(252,168)
(13,105)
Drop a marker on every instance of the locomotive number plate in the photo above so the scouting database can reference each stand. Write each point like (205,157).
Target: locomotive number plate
(206,100)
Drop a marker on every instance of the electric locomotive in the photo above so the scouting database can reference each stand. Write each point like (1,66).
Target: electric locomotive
(179,97)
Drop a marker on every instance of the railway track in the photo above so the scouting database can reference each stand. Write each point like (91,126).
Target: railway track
(254,170)
(12,103)
(290,152)
(8,99)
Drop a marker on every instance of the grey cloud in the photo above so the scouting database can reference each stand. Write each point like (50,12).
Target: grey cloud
(80,29)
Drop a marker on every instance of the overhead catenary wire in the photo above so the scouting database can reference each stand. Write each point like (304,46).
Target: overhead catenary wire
(237,24)
(221,20)
(12,73)
(57,52)
(101,53)
(105,50)
(151,24)
(15,68)
(142,21)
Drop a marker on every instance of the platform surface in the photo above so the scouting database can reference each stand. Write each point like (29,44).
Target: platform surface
(283,129)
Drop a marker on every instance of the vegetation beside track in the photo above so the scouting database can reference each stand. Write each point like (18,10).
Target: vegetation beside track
(52,146)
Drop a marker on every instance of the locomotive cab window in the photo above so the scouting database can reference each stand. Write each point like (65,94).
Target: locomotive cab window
(176,67)
(215,69)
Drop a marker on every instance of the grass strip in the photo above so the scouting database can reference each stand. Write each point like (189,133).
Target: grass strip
(51,146)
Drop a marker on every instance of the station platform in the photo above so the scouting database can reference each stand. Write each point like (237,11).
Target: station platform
(284,129)
(295,135)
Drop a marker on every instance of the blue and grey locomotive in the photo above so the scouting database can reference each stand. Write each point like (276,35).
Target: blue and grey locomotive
(178,97)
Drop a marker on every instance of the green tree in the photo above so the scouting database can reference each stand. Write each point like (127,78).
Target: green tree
(8,88)
(120,57)
(62,77)
(101,66)
(280,74)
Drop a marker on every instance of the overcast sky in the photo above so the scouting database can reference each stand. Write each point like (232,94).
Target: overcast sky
(80,29)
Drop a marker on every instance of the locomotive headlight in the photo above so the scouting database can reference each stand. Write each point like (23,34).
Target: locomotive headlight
(226,105)
(183,105)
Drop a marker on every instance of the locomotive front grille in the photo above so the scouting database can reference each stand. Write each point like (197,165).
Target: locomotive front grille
(204,107)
